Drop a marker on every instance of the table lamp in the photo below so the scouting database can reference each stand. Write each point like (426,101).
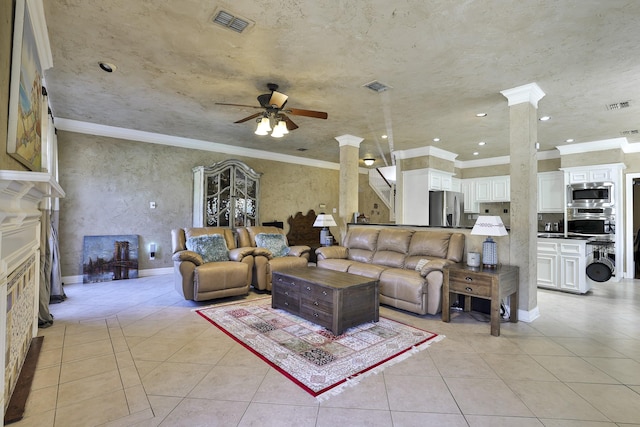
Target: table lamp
(325,221)
(489,226)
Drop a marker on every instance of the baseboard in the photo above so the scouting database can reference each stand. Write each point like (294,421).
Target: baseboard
(528,316)
(69,280)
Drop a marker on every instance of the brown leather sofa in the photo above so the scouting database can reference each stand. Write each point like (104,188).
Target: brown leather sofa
(391,256)
(197,280)
(264,261)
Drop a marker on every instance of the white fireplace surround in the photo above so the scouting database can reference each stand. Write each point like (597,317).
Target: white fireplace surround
(22,195)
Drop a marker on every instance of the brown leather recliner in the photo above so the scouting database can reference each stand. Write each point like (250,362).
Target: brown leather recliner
(264,261)
(200,281)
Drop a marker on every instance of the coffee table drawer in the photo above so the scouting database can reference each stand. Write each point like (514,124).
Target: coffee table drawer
(317,316)
(470,285)
(285,302)
(316,292)
(316,304)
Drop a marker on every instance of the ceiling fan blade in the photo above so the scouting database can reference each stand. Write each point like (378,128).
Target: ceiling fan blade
(289,122)
(307,113)
(278,99)
(238,105)
(253,116)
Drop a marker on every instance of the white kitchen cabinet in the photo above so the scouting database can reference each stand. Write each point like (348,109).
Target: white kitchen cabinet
(492,189)
(551,192)
(562,265)
(577,176)
(439,180)
(467,187)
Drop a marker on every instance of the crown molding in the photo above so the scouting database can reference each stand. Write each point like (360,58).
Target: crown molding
(530,93)
(176,141)
(586,147)
(353,141)
(428,150)
(493,161)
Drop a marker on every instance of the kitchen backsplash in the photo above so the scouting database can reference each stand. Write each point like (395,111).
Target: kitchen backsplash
(501,209)
(551,218)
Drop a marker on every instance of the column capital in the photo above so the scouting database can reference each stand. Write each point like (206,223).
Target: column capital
(349,140)
(526,93)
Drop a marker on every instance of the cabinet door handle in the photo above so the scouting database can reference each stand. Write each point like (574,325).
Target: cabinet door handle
(468,289)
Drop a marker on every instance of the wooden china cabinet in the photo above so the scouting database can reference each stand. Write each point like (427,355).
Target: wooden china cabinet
(225,194)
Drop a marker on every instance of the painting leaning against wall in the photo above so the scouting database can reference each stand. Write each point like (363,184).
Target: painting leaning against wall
(106,258)
(24,138)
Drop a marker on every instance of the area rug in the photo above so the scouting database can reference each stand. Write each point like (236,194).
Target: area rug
(311,356)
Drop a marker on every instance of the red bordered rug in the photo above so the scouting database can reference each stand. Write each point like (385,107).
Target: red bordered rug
(310,355)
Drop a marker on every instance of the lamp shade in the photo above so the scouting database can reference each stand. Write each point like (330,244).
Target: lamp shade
(489,226)
(325,220)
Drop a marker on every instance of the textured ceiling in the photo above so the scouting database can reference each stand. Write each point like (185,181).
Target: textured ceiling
(445,61)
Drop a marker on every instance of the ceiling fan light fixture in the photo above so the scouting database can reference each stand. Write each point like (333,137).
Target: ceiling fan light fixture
(369,161)
(282,127)
(264,127)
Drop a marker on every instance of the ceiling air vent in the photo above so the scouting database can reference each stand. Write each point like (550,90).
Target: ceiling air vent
(618,105)
(629,132)
(231,21)
(376,86)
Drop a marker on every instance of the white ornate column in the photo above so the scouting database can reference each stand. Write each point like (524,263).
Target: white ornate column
(523,140)
(20,197)
(349,179)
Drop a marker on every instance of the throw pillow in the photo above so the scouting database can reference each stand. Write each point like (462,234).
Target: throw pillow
(421,264)
(276,243)
(212,247)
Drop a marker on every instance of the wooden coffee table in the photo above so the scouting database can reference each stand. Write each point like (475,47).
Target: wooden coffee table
(328,298)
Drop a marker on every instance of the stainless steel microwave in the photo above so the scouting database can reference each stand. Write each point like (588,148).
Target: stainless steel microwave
(590,194)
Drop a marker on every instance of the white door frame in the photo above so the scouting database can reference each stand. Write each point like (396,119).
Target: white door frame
(628,206)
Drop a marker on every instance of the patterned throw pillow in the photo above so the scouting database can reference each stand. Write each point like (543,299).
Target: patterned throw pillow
(421,264)
(212,247)
(276,243)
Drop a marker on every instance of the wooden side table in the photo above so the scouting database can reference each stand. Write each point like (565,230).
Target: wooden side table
(487,283)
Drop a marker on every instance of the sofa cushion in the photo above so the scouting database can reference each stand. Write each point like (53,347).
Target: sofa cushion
(394,240)
(430,243)
(362,238)
(276,243)
(389,259)
(212,247)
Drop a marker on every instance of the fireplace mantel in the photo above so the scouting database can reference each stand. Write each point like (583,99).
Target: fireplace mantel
(22,196)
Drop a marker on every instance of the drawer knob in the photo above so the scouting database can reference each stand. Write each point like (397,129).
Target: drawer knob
(315,303)
(315,314)
(468,289)
(308,288)
(468,279)
(324,292)
(286,292)
(286,303)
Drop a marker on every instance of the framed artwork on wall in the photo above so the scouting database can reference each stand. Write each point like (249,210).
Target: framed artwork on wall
(24,138)
(106,258)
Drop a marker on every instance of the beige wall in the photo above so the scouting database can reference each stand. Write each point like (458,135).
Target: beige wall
(549,165)
(6,37)
(427,162)
(110,182)
(593,158)
(481,172)
(370,204)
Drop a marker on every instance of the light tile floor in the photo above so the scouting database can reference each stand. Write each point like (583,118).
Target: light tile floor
(133,353)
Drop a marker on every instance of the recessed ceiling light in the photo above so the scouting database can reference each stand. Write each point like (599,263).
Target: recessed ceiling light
(384,137)
(569,140)
(481,115)
(436,139)
(481,143)
(545,118)
(475,153)
(105,66)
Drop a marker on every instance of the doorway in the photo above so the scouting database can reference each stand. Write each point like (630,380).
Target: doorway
(632,238)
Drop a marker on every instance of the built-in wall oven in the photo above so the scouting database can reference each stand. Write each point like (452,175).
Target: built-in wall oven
(591,221)
(590,194)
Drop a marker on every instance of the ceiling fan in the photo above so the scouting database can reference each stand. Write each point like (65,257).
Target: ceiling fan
(274,108)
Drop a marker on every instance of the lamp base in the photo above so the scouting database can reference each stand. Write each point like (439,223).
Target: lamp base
(489,253)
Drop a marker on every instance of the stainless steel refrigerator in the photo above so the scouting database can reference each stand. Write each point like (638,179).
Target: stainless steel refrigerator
(445,208)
